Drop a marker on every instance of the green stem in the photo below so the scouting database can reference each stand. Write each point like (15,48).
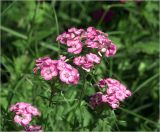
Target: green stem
(139,116)
(57,25)
(20,35)
(146,82)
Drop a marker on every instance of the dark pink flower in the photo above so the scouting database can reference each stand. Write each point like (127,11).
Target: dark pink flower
(33,128)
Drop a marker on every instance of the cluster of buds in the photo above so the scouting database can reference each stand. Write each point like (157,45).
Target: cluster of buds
(23,115)
(51,68)
(115,93)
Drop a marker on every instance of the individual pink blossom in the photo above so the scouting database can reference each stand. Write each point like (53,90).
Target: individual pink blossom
(87,65)
(76,31)
(40,62)
(23,119)
(91,43)
(75,46)
(69,76)
(32,110)
(49,72)
(33,128)
(87,62)
(20,108)
(111,50)
(63,37)
(80,60)
(93,58)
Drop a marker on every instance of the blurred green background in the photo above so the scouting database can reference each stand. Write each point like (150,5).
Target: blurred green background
(29,30)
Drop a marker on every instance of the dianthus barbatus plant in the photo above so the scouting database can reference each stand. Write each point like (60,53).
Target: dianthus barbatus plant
(85,50)
(87,47)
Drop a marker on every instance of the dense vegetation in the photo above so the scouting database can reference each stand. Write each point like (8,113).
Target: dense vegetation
(29,30)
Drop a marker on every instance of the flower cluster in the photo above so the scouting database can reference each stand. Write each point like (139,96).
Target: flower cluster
(87,62)
(51,68)
(72,39)
(24,113)
(115,93)
(33,128)
(76,39)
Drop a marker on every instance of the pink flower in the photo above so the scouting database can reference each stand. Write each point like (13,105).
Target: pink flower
(96,99)
(112,82)
(87,66)
(76,46)
(24,113)
(40,62)
(128,93)
(91,44)
(63,65)
(19,108)
(80,60)
(87,62)
(102,83)
(111,50)
(76,31)
(120,95)
(23,119)
(34,128)
(49,72)
(92,38)
(69,76)
(114,106)
(93,58)
(115,92)
(63,37)
(32,110)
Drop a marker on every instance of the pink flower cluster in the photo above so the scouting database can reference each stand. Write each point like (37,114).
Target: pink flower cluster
(87,62)
(33,128)
(51,68)
(115,93)
(24,113)
(72,39)
(75,39)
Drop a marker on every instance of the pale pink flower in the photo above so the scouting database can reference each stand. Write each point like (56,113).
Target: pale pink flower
(40,62)
(19,108)
(32,110)
(63,37)
(49,72)
(61,65)
(76,46)
(120,95)
(80,60)
(112,82)
(114,106)
(91,44)
(76,31)
(87,66)
(128,93)
(23,119)
(69,76)
(93,58)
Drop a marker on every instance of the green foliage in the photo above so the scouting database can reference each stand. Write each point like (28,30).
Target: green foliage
(29,30)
